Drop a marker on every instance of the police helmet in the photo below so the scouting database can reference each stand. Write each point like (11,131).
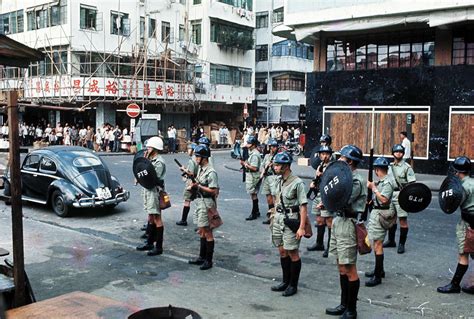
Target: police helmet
(273,142)
(352,152)
(204,140)
(398,148)
(462,164)
(326,138)
(325,149)
(202,151)
(252,140)
(155,142)
(381,162)
(283,158)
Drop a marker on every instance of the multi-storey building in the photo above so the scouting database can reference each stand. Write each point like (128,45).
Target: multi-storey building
(281,62)
(382,67)
(187,60)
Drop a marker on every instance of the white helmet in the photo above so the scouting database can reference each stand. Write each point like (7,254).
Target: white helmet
(155,142)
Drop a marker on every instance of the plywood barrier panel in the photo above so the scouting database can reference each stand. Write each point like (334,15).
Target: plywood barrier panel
(461,135)
(349,128)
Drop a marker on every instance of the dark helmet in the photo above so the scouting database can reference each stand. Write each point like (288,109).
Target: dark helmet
(325,149)
(352,152)
(252,140)
(283,158)
(272,142)
(398,148)
(325,138)
(202,151)
(462,164)
(204,140)
(381,162)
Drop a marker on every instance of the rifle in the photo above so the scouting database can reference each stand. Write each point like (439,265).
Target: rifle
(368,204)
(264,173)
(244,156)
(188,176)
(313,191)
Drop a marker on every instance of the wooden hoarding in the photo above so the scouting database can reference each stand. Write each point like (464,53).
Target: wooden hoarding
(461,132)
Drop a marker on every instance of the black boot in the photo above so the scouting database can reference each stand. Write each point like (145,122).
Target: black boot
(391,237)
(285,263)
(158,249)
(326,252)
(184,217)
(339,310)
(319,244)
(403,239)
(468,289)
(150,239)
(454,285)
(295,269)
(148,230)
(377,278)
(353,291)
(255,212)
(202,254)
(209,253)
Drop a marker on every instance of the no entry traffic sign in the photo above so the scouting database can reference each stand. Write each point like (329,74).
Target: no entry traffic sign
(133,110)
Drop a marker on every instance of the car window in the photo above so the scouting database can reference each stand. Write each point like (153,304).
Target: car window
(86,162)
(47,165)
(32,163)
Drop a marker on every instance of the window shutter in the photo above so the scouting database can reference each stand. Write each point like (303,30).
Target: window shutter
(82,22)
(99,21)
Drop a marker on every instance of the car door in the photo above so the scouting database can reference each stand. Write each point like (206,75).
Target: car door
(47,175)
(29,174)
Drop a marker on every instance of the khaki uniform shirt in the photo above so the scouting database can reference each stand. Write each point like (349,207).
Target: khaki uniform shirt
(251,178)
(207,177)
(151,202)
(402,173)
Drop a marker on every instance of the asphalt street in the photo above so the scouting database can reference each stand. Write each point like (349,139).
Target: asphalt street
(94,251)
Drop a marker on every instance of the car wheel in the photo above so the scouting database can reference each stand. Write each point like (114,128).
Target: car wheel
(59,205)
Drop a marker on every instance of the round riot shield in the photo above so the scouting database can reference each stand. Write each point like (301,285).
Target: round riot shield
(145,173)
(414,197)
(140,153)
(450,194)
(336,186)
(314,159)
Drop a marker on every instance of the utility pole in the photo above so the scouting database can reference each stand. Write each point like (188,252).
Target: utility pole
(269,57)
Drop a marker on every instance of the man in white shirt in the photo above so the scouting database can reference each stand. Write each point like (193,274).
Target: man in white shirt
(406,144)
(171,139)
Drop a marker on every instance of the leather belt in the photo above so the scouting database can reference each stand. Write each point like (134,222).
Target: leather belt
(381,208)
(347,214)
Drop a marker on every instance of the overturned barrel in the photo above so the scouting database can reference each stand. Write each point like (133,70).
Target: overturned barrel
(169,312)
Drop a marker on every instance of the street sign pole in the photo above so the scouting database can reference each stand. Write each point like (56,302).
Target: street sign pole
(15,192)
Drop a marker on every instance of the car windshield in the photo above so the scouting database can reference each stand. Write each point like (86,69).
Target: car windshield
(86,162)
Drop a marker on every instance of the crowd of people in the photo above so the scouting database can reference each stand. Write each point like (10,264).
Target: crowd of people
(279,133)
(107,138)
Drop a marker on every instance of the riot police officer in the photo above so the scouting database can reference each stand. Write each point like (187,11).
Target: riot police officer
(344,237)
(206,141)
(191,171)
(380,218)
(402,174)
(462,169)
(292,204)
(326,140)
(252,167)
(269,177)
(207,188)
(151,201)
(323,217)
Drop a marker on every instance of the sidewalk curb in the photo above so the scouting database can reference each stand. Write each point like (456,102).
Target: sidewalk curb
(431,185)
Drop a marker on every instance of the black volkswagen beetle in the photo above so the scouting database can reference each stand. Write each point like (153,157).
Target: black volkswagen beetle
(68,176)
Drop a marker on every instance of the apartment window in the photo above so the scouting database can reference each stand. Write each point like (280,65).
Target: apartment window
(11,22)
(261,53)
(293,48)
(260,83)
(289,82)
(262,20)
(228,75)
(152,28)
(88,17)
(119,23)
(196,1)
(196,32)
(165,31)
(182,1)
(231,35)
(392,50)
(142,28)
(181,32)
(278,15)
(244,4)
(463,47)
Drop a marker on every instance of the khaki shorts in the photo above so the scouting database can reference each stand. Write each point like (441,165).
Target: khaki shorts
(376,231)
(395,207)
(269,185)
(251,181)
(151,202)
(187,194)
(200,217)
(461,229)
(320,212)
(343,244)
(282,235)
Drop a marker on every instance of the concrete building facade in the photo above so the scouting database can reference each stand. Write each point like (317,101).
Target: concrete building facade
(382,67)
(186,60)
